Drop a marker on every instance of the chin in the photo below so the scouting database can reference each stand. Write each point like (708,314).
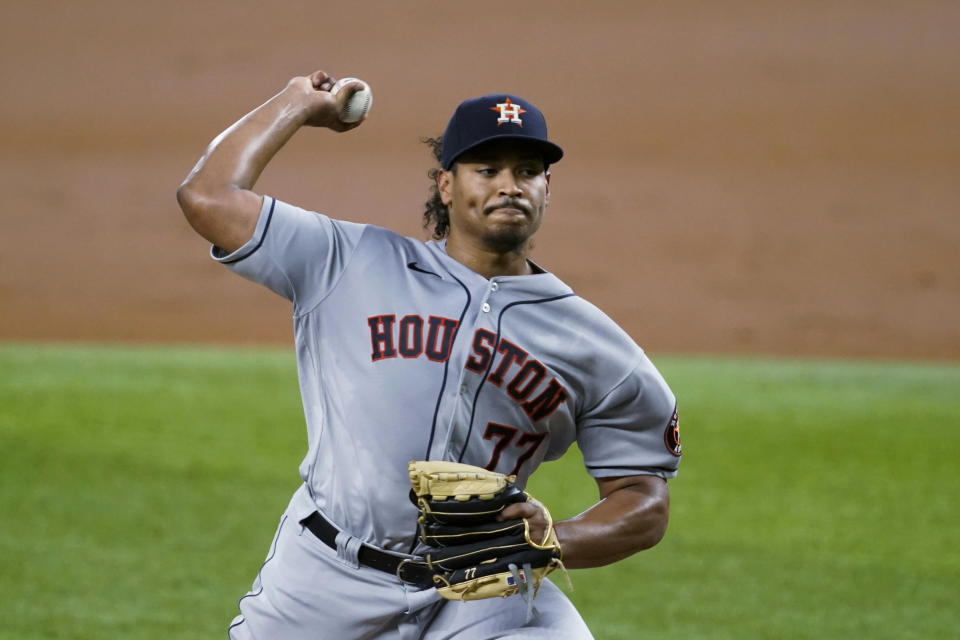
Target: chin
(507,240)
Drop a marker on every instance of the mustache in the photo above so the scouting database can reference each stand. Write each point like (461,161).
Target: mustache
(508,203)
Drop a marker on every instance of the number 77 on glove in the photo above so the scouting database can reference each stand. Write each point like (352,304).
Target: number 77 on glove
(471,553)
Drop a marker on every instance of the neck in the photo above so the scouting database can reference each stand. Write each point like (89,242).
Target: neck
(490,263)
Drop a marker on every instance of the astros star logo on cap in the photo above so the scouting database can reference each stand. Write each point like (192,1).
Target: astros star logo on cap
(509,112)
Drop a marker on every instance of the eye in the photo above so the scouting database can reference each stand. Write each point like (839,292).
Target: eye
(487,171)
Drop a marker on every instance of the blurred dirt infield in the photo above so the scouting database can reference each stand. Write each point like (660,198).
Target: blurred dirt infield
(740,177)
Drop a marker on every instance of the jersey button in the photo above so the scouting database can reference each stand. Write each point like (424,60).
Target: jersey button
(494,286)
(485,308)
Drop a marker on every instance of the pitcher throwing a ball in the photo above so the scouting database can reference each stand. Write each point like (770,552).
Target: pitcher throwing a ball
(436,377)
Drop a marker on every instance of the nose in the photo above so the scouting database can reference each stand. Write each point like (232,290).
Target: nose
(508,185)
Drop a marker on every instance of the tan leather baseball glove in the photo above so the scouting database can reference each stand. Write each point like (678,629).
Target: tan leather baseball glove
(472,554)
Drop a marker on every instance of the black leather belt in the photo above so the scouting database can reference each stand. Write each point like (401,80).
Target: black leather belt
(411,571)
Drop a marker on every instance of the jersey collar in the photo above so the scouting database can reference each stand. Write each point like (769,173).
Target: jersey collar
(542,283)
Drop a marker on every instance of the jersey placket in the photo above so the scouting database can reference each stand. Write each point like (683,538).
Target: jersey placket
(459,405)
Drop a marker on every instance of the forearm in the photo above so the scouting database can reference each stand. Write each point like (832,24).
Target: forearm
(237,157)
(629,519)
(216,197)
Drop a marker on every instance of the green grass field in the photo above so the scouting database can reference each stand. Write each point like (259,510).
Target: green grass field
(140,487)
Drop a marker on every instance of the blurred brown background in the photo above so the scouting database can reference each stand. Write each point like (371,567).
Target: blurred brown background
(741,176)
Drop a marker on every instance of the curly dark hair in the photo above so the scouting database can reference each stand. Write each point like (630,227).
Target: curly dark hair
(435,212)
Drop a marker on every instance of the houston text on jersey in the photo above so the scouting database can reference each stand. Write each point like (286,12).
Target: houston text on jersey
(389,338)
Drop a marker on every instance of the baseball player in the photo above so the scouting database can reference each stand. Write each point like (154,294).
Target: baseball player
(459,349)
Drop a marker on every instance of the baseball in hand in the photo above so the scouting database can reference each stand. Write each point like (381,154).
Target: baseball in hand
(359,103)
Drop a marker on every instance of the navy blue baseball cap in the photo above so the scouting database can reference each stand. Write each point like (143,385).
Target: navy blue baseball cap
(496,116)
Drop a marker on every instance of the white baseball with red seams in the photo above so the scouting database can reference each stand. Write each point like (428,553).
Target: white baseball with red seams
(359,103)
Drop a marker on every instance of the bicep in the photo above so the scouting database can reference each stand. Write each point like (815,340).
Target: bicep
(652,487)
(226,217)
(641,503)
(630,516)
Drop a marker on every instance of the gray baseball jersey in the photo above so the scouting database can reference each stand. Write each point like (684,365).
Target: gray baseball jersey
(404,353)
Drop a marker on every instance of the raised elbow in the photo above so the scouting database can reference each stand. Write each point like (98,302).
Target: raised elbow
(191,200)
(224,216)
(200,208)
(203,209)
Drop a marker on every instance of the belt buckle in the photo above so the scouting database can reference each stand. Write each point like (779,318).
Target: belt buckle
(411,580)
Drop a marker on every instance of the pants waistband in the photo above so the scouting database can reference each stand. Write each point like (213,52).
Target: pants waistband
(412,571)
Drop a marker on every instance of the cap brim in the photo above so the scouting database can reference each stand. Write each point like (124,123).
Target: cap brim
(550,152)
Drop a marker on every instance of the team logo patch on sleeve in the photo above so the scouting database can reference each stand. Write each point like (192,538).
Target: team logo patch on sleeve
(671,437)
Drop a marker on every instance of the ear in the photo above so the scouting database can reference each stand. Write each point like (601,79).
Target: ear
(546,195)
(445,186)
